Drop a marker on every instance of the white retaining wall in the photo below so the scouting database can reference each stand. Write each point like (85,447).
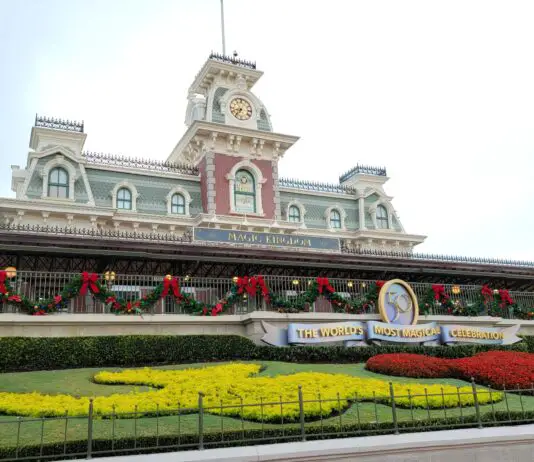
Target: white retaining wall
(501,444)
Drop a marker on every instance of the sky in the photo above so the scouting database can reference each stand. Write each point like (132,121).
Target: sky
(439,92)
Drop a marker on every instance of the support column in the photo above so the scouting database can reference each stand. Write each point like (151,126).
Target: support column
(277,207)
(210,181)
(361,210)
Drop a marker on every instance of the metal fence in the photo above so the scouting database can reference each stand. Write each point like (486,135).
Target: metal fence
(37,285)
(223,424)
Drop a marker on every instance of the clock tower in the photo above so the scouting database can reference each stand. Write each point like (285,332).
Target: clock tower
(230,138)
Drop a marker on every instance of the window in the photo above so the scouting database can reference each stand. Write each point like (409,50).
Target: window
(178,204)
(335,219)
(294,214)
(124,199)
(58,183)
(382,221)
(244,192)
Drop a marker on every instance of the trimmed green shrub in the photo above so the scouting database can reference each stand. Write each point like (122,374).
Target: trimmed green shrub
(48,353)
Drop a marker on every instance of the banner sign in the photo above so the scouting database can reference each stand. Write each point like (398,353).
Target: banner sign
(399,311)
(485,335)
(403,334)
(231,236)
(360,333)
(321,333)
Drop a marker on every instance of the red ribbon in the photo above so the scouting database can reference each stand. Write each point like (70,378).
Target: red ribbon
(506,299)
(324,284)
(217,309)
(439,292)
(487,293)
(171,284)
(3,276)
(379,284)
(89,281)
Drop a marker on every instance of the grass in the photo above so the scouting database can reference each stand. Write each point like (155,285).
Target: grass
(78,382)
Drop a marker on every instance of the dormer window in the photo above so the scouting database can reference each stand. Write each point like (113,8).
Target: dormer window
(58,183)
(244,192)
(335,219)
(124,199)
(382,221)
(178,204)
(294,214)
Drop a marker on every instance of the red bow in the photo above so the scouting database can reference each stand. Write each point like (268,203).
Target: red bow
(89,280)
(486,293)
(173,284)
(263,287)
(505,298)
(217,309)
(324,284)
(439,292)
(3,276)
(379,284)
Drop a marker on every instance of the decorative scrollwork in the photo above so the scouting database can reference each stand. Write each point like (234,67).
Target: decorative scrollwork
(58,124)
(363,169)
(315,186)
(232,60)
(145,164)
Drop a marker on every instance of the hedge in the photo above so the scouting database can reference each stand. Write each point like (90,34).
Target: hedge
(49,353)
(166,443)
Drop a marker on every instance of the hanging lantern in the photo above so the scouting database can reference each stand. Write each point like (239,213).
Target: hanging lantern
(456,290)
(295,282)
(11,272)
(235,278)
(350,284)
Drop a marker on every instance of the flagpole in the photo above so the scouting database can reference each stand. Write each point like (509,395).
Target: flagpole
(222,28)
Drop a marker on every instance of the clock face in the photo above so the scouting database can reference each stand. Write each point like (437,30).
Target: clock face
(241,109)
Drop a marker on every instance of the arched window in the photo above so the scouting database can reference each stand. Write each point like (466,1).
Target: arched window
(294,214)
(335,219)
(178,204)
(382,221)
(58,183)
(244,192)
(124,199)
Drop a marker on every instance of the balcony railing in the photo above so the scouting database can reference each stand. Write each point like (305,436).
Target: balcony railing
(37,285)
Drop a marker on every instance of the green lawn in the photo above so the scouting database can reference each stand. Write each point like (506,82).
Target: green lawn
(78,382)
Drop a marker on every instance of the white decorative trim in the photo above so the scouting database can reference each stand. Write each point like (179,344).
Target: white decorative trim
(90,198)
(258,182)
(187,200)
(133,190)
(302,209)
(58,161)
(389,210)
(342,214)
(29,177)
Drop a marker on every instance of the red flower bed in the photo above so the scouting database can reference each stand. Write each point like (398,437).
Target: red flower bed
(497,369)
(410,365)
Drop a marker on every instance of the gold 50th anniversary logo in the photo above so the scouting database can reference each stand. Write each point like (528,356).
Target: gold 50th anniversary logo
(397,303)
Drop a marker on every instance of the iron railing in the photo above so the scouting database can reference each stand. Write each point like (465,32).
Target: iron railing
(187,238)
(181,428)
(58,124)
(232,60)
(363,169)
(139,163)
(315,186)
(131,287)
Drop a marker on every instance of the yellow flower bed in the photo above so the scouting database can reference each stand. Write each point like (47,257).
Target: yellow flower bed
(235,388)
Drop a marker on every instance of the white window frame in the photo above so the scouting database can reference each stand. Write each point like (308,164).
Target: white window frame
(59,161)
(342,214)
(187,198)
(133,191)
(302,209)
(258,183)
(389,211)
